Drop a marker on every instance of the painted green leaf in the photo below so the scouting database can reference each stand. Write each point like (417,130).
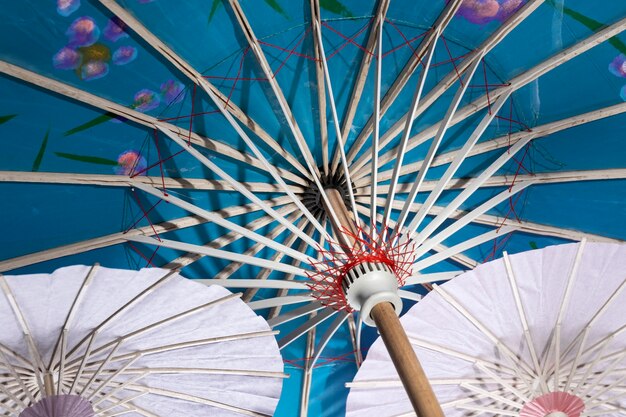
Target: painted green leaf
(42,150)
(88,125)
(87,158)
(274,5)
(533,244)
(216,4)
(593,25)
(6,118)
(334,6)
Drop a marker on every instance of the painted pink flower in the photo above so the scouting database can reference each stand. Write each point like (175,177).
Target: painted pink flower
(508,7)
(172,92)
(124,54)
(114,30)
(146,100)
(83,32)
(67,7)
(93,70)
(66,59)
(617,67)
(130,161)
(485,11)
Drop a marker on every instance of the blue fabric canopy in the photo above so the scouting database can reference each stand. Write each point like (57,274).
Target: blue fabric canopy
(100,100)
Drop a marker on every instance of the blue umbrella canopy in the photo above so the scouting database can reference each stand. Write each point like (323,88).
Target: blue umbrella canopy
(201,135)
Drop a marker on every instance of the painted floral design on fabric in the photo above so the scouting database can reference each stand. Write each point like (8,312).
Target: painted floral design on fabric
(67,7)
(66,59)
(172,92)
(124,54)
(85,53)
(83,32)
(481,12)
(114,30)
(130,161)
(617,67)
(146,100)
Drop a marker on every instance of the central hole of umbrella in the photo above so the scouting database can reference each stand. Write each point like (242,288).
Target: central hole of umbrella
(312,197)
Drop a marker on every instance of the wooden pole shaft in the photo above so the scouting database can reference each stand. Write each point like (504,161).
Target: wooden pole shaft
(403,356)
(407,365)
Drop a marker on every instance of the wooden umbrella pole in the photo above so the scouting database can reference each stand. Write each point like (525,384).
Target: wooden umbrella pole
(403,356)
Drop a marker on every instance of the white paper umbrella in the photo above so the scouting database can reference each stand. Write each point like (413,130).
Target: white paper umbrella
(90,341)
(536,334)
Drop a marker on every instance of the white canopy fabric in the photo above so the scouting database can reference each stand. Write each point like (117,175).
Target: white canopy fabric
(139,343)
(511,331)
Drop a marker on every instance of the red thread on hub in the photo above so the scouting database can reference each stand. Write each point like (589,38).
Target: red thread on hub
(328,273)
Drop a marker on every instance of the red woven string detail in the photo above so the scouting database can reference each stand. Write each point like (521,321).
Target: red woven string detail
(328,272)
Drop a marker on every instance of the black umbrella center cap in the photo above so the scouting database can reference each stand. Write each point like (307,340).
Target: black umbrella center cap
(312,197)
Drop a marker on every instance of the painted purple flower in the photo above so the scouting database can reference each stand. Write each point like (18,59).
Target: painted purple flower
(67,7)
(130,161)
(618,66)
(66,59)
(83,32)
(114,30)
(484,11)
(93,70)
(146,100)
(172,92)
(124,54)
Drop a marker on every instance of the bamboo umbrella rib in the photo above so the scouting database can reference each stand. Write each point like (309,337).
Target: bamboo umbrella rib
(321,90)
(305,327)
(257,247)
(473,185)
(450,79)
(220,221)
(461,247)
(121,237)
(493,396)
(17,376)
(267,71)
(459,158)
(405,134)
(115,344)
(515,84)
(434,146)
(328,334)
(308,229)
(429,243)
(308,372)
(62,339)
(506,180)
(182,345)
(459,258)
(302,145)
(376,137)
(430,278)
(373,42)
(507,140)
(339,139)
(221,100)
(295,313)
(228,238)
(399,83)
(39,367)
(134,116)
(239,187)
(122,181)
(280,301)
(217,253)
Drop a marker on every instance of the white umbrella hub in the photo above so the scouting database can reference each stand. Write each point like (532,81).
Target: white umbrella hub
(362,275)
(554,404)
